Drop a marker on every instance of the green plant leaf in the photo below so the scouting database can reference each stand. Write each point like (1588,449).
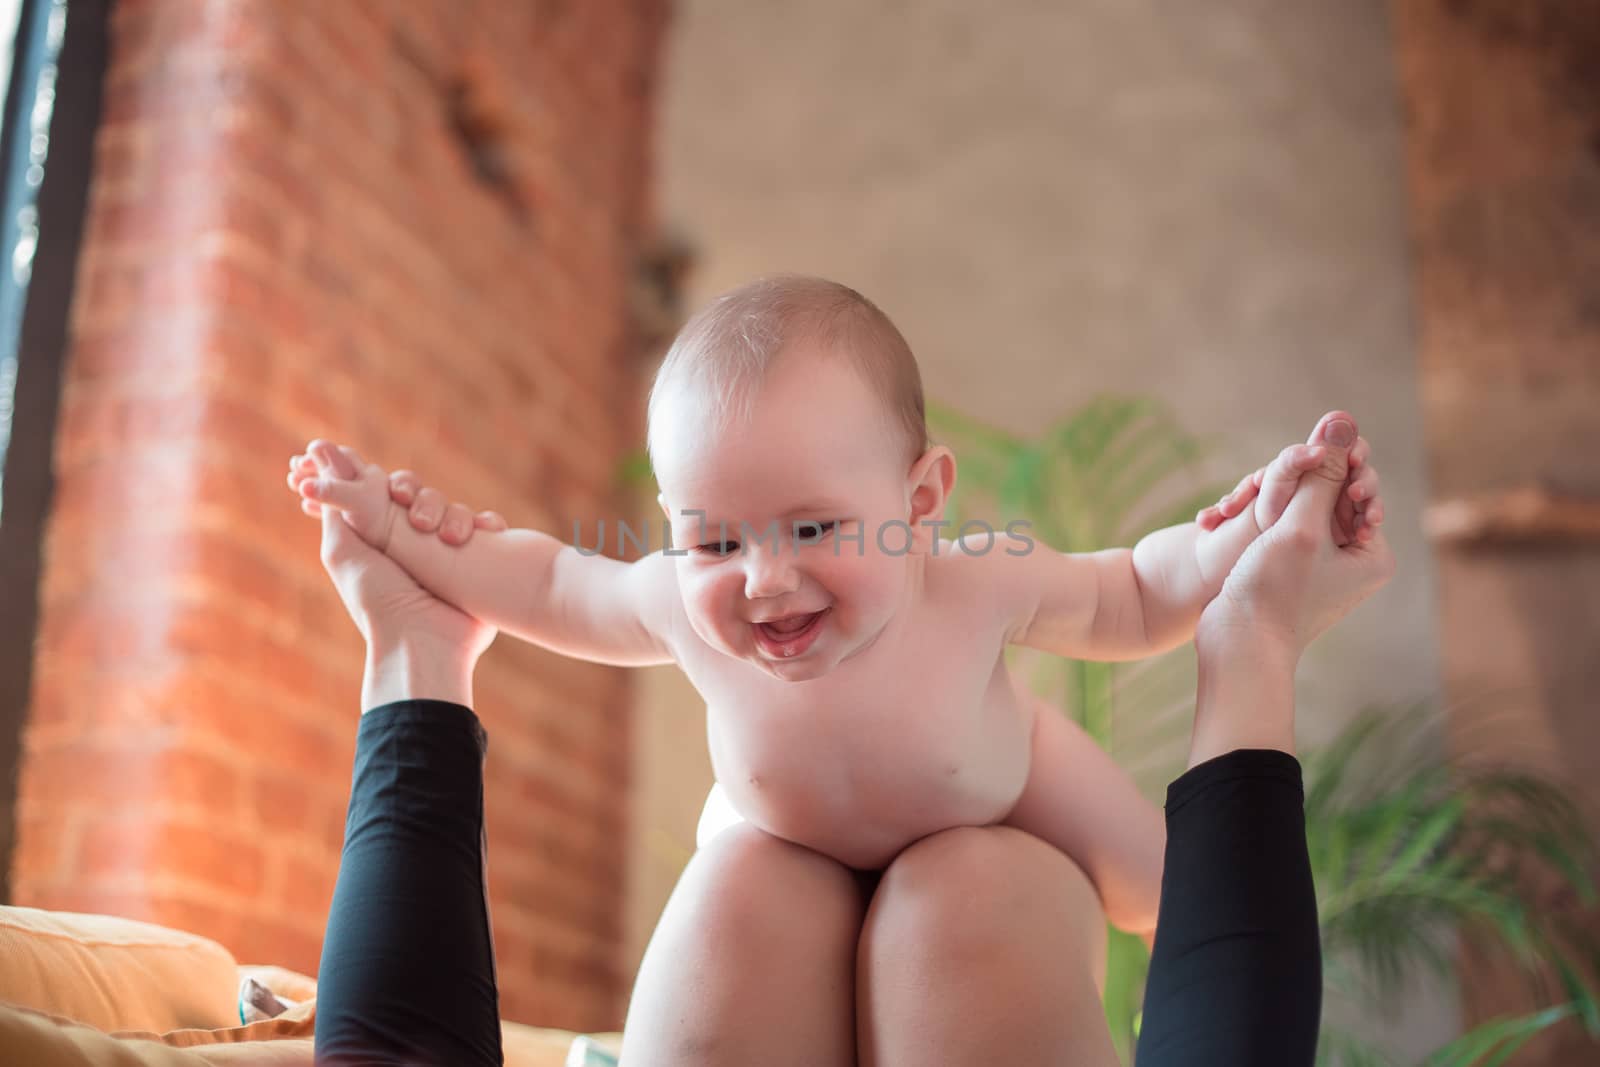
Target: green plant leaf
(1407,845)
(1338,1048)
(1491,1043)
(634,471)
(1127,962)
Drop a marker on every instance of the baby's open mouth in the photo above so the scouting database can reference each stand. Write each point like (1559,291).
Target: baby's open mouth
(789,636)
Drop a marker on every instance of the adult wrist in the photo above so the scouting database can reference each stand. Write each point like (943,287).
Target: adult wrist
(415,667)
(1246,645)
(1245,697)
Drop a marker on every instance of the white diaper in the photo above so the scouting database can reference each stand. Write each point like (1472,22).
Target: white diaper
(716,816)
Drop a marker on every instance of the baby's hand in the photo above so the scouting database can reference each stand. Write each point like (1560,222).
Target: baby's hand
(427,508)
(337,477)
(1355,518)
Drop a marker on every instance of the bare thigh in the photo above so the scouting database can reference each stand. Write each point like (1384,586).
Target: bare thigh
(752,962)
(982,945)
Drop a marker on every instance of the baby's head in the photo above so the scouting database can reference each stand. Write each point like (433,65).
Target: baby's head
(787,432)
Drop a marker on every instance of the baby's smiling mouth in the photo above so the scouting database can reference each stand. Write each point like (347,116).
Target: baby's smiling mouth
(789,625)
(788,635)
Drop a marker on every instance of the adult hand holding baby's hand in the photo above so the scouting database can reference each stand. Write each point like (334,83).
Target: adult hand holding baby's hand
(334,478)
(1356,516)
(427,509)
(1295,580)
(388,607)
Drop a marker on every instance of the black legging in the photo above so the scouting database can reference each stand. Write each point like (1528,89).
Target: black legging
(408,976)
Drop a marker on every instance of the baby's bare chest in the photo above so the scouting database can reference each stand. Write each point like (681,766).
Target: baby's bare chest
(914,735)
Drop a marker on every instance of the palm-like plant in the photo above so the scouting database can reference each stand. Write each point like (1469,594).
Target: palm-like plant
(1401,858)
(1102,477)
(1406,849)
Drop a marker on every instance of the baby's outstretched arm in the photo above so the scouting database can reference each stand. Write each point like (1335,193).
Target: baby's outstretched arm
(1123,603)
(527,583)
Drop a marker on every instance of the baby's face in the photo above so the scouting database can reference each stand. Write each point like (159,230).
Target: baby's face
(817,452)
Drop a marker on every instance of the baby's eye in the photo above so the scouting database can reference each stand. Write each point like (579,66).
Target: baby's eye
(718,548)
(811,531)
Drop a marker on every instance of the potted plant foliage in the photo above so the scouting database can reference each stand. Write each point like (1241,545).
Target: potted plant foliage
(1407,853)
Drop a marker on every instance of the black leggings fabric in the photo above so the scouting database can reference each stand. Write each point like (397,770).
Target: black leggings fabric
(1236,972)
(408,972)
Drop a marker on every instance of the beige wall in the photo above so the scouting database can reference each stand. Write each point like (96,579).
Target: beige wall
(1200,202)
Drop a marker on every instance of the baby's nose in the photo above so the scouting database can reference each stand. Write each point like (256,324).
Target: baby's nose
(769,572)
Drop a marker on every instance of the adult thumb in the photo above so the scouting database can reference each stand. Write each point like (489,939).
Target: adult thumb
(336,537)
(1319,489)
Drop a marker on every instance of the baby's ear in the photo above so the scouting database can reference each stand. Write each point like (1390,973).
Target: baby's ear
(930,482)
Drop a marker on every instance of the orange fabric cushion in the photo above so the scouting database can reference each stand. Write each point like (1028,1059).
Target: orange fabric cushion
(40,1040)
(115,974)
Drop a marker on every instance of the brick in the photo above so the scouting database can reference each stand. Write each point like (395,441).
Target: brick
(227,922)
(43,846)
(130,902)
(110,773)
(286,239)
(288,941)
(114,848)
(301,888)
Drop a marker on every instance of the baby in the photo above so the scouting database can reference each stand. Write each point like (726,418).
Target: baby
(850,656)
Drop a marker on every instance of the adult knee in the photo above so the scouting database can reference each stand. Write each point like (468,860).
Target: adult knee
(750,886)
(973,894)
(758,940)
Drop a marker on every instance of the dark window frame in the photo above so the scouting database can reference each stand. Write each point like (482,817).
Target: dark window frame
(43,303)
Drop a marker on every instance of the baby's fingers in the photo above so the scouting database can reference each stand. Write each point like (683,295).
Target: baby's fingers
(1347,509)
(1360,453)
(1282,478)
(336,492)
(1365,503)
(298,477)
(1229,506)
(1241,496)
(1368,521)
(1363,485)
(403,486)
(342,461)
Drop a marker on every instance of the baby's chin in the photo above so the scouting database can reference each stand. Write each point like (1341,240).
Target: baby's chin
(804,669)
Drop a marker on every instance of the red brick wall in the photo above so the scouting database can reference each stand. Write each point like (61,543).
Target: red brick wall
(405,226)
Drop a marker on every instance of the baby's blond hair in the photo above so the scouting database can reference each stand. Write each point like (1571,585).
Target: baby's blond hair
(724,353)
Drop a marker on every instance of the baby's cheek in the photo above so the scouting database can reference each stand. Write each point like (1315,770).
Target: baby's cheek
(706,602)
(870,582)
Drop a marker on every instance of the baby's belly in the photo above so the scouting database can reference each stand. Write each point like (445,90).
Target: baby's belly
(862,787)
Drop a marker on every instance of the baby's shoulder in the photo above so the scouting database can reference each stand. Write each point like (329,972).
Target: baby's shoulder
(990,574)
(972,566)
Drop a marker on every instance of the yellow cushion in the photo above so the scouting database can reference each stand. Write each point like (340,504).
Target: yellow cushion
(525,1046)
(115,974)
(101,991)
(40,1040)
(298,1022)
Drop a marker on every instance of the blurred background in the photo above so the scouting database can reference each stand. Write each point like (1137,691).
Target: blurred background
(1141,241)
